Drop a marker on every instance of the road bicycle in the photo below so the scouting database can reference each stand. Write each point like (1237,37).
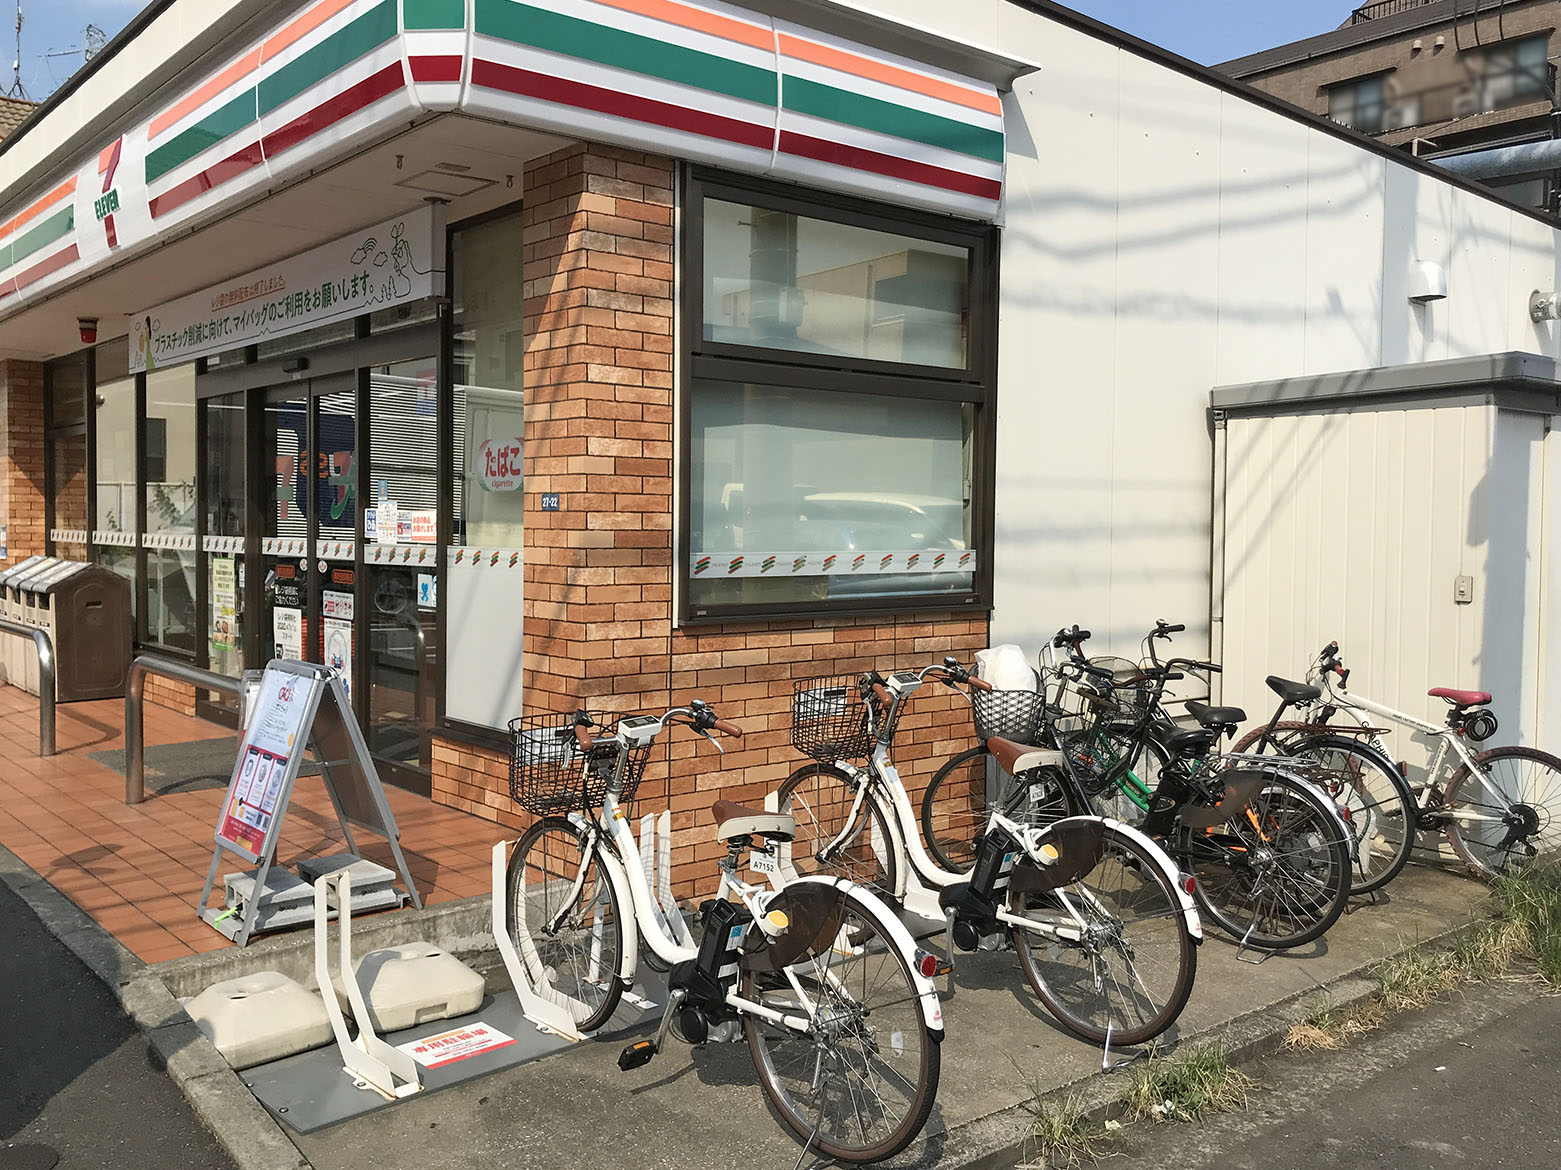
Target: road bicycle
(1364,784)
(819,977)
(1498,807)
(1270,851)
(1104,928)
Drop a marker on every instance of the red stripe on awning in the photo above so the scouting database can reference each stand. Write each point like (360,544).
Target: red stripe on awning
(859,159)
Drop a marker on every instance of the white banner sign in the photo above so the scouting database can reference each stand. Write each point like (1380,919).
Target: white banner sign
(390,263)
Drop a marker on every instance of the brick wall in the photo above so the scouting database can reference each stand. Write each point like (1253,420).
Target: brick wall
(170,693)
(598,268)
(21,477)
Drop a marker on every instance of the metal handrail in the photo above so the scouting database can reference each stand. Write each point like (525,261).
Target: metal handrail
(135,736)
(46,684)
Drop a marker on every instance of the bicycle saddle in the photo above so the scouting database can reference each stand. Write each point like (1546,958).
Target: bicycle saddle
(1014,758)
(738,820)
(1292,692)
(1191,743)
(1460,698)
(1215,716)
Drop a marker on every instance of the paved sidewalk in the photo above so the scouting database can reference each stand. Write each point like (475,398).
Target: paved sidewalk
(138,869)
(75,1073)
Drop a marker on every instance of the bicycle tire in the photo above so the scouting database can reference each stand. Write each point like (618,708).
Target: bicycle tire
(1309,849)
(1544,833)
(1113,991)
(555,848)
(954,810)
(819,797)
(1377,805)
(821,1087)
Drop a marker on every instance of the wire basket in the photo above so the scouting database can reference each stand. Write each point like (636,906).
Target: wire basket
(829,719)
(1134,694)
(549,773)
(1015,715)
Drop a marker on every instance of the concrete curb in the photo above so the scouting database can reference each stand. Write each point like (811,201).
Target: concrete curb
(246,1132)
(997,1141)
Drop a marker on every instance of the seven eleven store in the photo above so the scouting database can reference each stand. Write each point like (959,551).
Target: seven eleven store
(519,357)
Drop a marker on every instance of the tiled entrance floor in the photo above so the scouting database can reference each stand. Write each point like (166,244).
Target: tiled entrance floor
(138,869)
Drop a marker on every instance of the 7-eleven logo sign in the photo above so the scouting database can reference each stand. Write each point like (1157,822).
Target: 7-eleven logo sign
(107,203)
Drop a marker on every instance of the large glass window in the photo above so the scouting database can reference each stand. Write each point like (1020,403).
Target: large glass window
(816,495)
(1516,72)
(114,527)
(225,506)
(838,406)
(65,384)
(169,457)
(777,279)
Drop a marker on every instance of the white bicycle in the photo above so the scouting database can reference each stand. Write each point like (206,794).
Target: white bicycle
(820,977)
(1498,807)
(1104,925)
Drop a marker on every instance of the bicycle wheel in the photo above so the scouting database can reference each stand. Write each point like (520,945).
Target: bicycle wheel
(820,797)
(860,1082)
(573,936)
(1374,800)
(954,810)
(1132,967)
(1278,875)
(1509,813)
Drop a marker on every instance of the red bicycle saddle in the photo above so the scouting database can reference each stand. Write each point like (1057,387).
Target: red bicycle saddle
(1460,698)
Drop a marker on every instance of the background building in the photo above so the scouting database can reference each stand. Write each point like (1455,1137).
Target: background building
(1434,78)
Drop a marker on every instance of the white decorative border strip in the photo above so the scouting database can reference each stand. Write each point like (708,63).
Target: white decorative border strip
(486,558)
(113,539)
(336,550)
(176,541)
(284,546)
(68,535)
(400,554)
(224,544)
(817,564)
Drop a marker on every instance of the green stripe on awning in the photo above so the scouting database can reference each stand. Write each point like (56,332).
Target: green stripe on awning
(522,24)
(431,14)
(61,223)
(368,32)
(210,130)
(868,113)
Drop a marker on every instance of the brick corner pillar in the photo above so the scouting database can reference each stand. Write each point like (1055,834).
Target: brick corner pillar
(598,326)
(22,476)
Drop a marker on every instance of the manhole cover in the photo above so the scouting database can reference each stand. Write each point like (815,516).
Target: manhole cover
(27,1157)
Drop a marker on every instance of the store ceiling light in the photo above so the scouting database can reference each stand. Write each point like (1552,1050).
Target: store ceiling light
(438,182)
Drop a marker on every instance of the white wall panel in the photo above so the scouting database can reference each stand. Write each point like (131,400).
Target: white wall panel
(1343,273)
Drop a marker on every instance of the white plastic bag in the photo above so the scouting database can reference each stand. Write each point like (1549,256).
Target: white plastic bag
(1005,668)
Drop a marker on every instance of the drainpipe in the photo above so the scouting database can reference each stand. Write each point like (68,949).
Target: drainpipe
(1503,160)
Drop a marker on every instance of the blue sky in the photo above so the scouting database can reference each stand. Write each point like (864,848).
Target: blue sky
(1205,30)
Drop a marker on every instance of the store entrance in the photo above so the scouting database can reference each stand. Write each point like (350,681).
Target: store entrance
(309,441)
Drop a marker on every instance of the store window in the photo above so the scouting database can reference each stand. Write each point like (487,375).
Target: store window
(65,385)
(1516,72)
(483,642)
(225,503)
(838,406)
(116,521)
(168,454)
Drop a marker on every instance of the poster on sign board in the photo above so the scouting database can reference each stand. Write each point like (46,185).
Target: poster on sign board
(269,750)
(338,650)
(224,603)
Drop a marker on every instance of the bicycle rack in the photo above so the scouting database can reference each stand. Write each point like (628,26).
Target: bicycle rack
(544,1005)
(371,1062)
(656,842)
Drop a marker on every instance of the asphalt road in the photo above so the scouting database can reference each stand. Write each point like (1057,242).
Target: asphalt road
(1468,1083)
(75,1075)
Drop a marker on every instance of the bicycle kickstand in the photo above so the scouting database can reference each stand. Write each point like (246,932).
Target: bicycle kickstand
(948,950)
(638,1054)
(1242,949)
(1106,1063)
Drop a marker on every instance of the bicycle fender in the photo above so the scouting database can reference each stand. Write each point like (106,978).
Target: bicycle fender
(1167,867)
(1332,806)
(814,904)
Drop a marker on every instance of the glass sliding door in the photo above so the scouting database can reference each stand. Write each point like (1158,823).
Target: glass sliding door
(400,594)
(225,502)
(168,454)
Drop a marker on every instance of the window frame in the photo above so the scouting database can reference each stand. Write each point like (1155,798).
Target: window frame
(703,360)
(1353,84)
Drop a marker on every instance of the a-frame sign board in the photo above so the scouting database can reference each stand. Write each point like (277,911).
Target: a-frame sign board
(299,706)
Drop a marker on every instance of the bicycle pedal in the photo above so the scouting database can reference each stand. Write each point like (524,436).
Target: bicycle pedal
(636,1055)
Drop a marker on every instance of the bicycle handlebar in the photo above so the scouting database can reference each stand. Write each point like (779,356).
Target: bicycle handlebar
(727,727)
(1162,630)
(697,715)
(1067,637)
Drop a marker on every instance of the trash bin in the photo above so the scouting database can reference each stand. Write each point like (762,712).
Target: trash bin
(85,609)
(18,659)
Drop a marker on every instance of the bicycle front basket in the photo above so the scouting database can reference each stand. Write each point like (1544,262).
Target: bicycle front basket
(1014,715)
(549,774)
(1133,693)
(829,719)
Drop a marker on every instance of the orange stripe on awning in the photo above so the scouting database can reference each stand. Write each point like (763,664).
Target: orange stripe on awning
(697,20)
(199,97)
(106,156)
(68,187)
(301,27)
(833,58)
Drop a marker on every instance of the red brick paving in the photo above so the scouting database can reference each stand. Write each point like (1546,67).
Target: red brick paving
(138,869)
